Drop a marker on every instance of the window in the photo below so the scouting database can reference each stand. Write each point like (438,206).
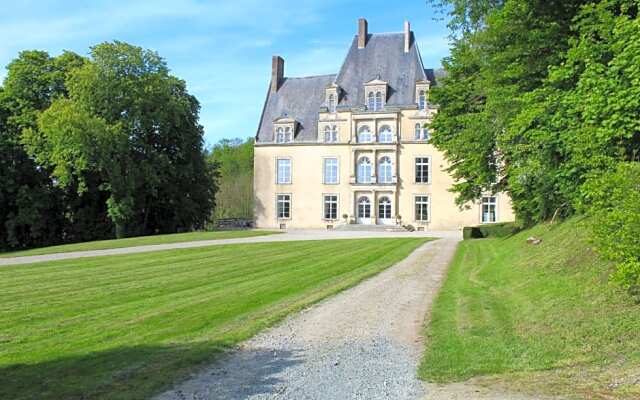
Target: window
(422,133)
(378,103)
(385,135)
(332,103)
(287,135)
(371,104)
(284,171)
(385,170)
(284,135)
(384,208)
(422,169)
(364,134)
(330,206)
(330,134)
(279,135)
(364,170)
(422,100)
(283,206)
(364,207)
(488,209)
(422,208)
(331,170)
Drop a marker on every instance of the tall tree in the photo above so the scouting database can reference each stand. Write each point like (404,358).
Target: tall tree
(234,198)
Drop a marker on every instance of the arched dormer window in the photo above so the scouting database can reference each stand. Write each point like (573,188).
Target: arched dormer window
(332,103)
(330,134)
(422,100)
(371,104)
(378,104)
(385,135)
(288,137)
(280,135)
(385,170)
(364,170)
(364,134)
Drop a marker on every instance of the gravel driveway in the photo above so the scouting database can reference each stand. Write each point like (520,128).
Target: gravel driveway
(361,344)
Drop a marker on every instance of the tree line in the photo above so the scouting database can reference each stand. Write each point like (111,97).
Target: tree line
(542,101)
(99,146)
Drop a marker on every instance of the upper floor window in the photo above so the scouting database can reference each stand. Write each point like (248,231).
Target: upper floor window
(378,103)
(330,170)
(364,170)
(422,100)
(385,170)
(371,103)
(364,134)
(283,171)
(489,209)
(330,134)
(332,103)
(385,135)
(422,132)
(422,169)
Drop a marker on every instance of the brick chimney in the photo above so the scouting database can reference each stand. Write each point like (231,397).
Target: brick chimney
(277,73)
(362,33)
(407,36)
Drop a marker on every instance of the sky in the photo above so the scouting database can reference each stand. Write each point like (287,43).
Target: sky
(221,48)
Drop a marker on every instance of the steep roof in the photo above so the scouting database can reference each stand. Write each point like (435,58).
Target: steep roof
(383,58)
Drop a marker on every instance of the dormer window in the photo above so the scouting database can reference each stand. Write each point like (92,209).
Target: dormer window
(422,91)
(284,129)
(422,100)
(330,134)
(332,97)
(376,94)
(371,103)
(332,103)
(280,135)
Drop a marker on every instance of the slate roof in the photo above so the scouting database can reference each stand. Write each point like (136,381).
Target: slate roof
(382,58)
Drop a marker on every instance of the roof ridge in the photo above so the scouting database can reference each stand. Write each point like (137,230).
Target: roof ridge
(309,76)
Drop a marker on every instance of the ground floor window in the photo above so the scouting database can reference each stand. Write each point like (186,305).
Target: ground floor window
(283,206)
(330,206)
(384,208)
(488,209)
(422,208)
(364,207)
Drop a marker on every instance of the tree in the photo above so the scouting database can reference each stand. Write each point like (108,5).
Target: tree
(234,158)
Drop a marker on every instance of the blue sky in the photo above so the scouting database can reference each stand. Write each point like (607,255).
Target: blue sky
(221,48)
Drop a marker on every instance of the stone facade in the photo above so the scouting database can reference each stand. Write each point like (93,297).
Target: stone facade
(356,144)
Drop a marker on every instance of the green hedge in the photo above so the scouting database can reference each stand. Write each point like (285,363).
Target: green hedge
(489,230)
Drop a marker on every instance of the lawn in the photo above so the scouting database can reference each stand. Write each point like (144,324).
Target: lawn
(129,326)
(138,241)
(535,318)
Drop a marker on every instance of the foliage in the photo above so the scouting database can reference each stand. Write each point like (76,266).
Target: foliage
(234,159)
(489,230)
(131,326)
(613,201)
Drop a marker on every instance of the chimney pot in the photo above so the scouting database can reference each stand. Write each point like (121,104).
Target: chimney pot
(362,33)
(407,36)
(277,73)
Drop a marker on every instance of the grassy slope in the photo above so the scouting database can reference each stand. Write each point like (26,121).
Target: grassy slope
(125,327)
(138,241)
(538,317)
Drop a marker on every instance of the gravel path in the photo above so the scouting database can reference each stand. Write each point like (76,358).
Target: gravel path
(363,343)
(284,237)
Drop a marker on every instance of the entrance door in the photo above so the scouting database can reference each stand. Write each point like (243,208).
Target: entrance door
(364,210)
(384,212)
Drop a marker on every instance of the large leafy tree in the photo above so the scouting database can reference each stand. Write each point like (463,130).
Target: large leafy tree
(134,126)
(234,158)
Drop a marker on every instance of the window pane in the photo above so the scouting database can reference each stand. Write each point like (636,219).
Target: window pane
(283,206)
(330,170)
(284,171)
(422,170)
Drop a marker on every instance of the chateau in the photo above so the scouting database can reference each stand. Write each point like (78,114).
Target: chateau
(353,147)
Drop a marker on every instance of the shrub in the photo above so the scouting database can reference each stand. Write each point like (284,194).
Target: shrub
(489,230)
(613,201)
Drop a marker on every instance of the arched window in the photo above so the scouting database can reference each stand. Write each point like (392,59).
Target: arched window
(371,104)
(364,134)
(385,170)
(385,135)
(418,131)
(364,170)
(364,207)
(422,133)
(426,135)
(287,135)
(378,105)
(279,135)
(422,100)
(332,104)
(330,134)
(384,208)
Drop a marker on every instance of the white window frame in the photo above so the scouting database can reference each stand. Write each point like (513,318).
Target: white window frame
(290,180)
(331,103)
(386,129)
(371,101)
(495,208)
(422,99)
(390,203)
(421,132)
(330,134)
(278,201)
(324,171)
(361,131)
(367,176)
(324,205)
(415,208)
(380,173)
(415,170)
(360,202)
(378,102)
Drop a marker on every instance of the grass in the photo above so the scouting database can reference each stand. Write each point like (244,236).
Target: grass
(535,317)
(129,326)
(138,241)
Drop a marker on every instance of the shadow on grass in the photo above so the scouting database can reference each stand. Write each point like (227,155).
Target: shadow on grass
(141,372)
